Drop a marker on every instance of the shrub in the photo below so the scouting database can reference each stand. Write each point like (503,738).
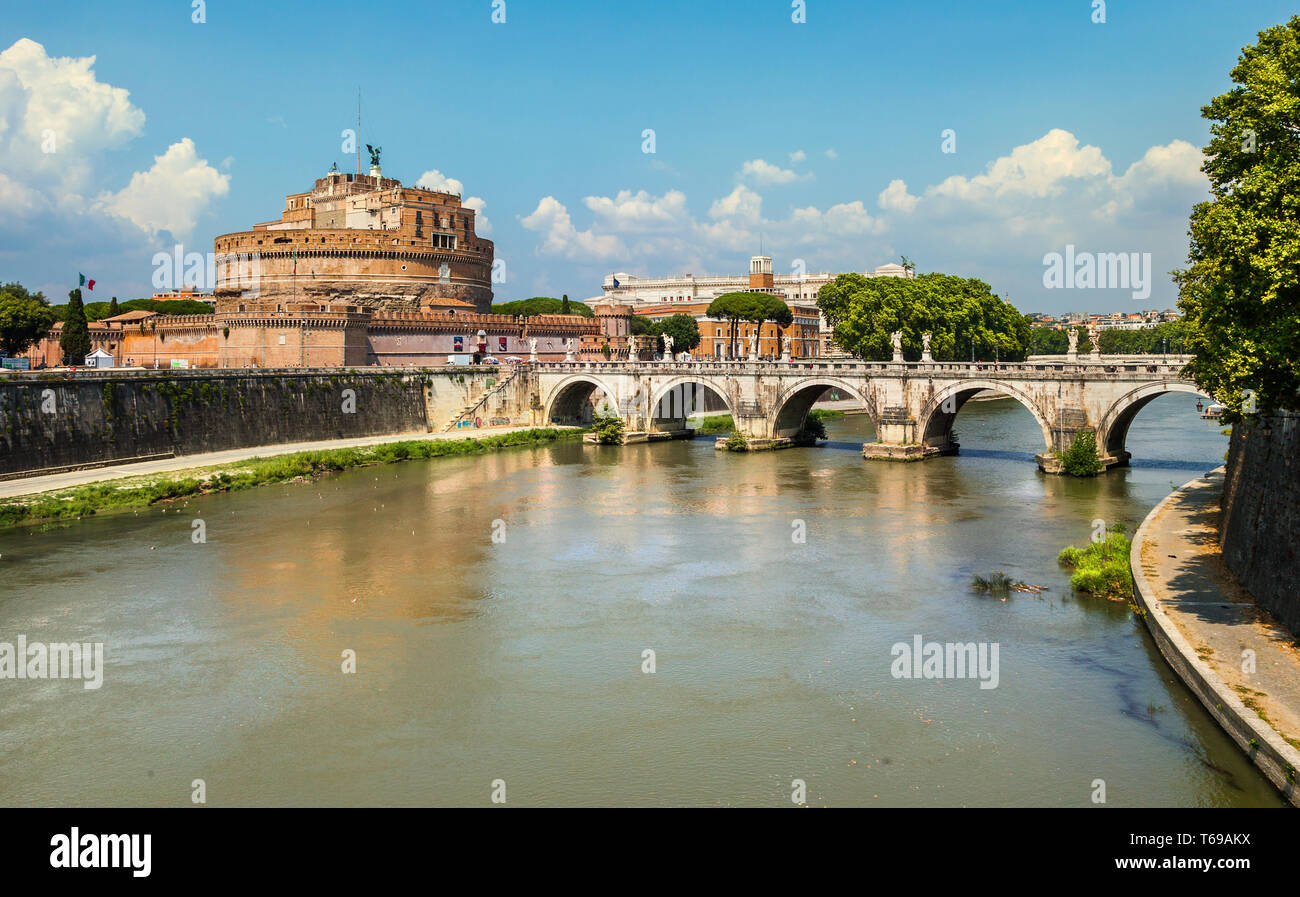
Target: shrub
(736,442)
(1101,568)
(1081,459)
(608,429)
(813,428)
(995,584)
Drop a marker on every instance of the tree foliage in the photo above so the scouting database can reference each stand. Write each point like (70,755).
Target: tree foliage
(75,339)
(24,318)
(1147,341)
(682,328)
(756,308)
(1050,341)
(641,326)
(541,305)
(97,311)
(608,429)
(960,313)
(1240,292)
(1081,460)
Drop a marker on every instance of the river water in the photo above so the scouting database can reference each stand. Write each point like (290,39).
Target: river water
(499,608)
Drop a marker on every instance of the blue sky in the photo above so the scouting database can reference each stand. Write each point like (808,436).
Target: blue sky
(822,138)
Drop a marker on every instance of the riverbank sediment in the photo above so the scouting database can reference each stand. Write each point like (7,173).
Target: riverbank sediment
(88,492)
(1233,655)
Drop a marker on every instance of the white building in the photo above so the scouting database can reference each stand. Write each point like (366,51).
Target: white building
(797,288)
(803,287)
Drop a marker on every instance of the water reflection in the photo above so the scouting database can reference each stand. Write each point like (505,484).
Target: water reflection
(521,657)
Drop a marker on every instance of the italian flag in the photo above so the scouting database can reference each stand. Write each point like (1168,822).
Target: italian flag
(88,284)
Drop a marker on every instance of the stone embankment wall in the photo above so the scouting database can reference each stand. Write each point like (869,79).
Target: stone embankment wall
(1260,528)
(50,423)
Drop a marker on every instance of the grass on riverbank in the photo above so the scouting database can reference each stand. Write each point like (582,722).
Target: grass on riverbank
(137,492)
(1102,568)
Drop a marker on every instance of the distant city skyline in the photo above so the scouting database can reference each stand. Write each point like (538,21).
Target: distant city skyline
(116,141)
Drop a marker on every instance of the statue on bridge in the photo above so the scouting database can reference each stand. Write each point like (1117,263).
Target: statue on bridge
(925,348)
(897,339)
(753,345)
(532,349)
(568,349)
(668,347)
(1074,344)
(631,347)
(785,347)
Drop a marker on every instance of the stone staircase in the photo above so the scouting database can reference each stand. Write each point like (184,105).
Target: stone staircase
(469,409)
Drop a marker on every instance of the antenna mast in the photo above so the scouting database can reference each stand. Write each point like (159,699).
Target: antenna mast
(358,132)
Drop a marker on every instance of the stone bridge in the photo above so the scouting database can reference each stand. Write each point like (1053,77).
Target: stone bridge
(911,404)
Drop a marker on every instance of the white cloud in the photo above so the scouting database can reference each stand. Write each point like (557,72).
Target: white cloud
(433,179)
(58,126)
(852,218)
(1042,195)
(798,156)
(741,204)
(896,198)
(1035,169)
(172,194)
(55,118)
(640,212)
(831,154)
(482,226)
(765,173)
(551,219)
(995,224)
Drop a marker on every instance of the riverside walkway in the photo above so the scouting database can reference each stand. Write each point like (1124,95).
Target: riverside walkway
(1244,666)
(70,478)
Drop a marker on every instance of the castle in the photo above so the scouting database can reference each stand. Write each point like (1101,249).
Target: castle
(357,271)
(362,239)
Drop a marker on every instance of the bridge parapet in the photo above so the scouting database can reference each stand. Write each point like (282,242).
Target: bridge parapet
(1108,367)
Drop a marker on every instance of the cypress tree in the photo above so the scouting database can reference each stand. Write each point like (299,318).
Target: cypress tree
(75,340)
(564,304)
(112,307)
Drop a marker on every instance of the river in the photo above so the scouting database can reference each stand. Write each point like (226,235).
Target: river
(499,607)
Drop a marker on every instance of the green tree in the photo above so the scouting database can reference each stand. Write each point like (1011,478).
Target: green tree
(112,307)
(75,340)
(1239,292)
(962,315)
(1081,460)
(1170,336)
(564,304)
(642,326)
(608,429)
(734,308)
(24,318)
(541,305)
(766,307)
(683,329)
(1050,341)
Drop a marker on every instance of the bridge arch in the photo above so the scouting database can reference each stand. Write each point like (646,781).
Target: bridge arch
(569,401)
(1113,432)
(790,411)
(935,422)
(665,395)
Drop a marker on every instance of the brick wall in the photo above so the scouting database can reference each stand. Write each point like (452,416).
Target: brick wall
(1260,528)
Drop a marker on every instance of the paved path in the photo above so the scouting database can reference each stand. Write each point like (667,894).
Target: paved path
(29,485)
(1196,609)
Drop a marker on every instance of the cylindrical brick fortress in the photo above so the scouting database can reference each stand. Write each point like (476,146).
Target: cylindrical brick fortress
(362,240)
